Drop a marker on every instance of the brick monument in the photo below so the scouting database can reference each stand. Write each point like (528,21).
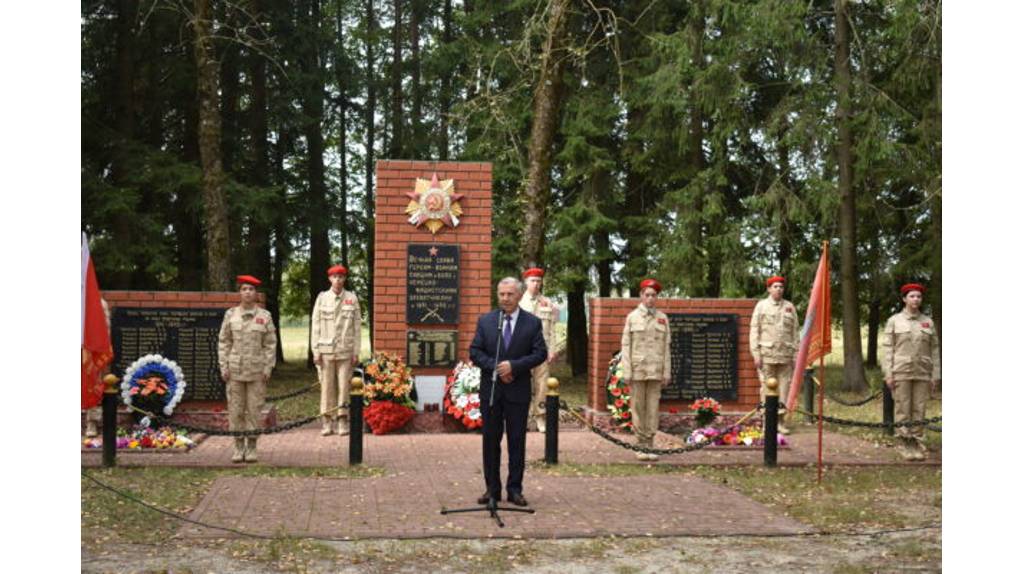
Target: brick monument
(720,360)
(432,265)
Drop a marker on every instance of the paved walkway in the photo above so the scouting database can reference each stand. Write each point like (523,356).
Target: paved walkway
(425,473)
(305,447)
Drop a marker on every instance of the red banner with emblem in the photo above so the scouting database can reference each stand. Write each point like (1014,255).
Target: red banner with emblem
(816,335)
(97,351)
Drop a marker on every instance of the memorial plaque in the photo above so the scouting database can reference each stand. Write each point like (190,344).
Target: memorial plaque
(432,348)
(705,359)
(186,336)
(432,285)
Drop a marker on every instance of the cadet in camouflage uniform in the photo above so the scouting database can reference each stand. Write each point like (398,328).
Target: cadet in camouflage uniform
(337,337)
(646,363)
(247,354)
(536,304)
(910,363)
(774,340)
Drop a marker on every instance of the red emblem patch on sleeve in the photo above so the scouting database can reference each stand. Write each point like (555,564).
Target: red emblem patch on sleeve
(926,324)
(348,301)
(260,320)
(662,321)
(789,309)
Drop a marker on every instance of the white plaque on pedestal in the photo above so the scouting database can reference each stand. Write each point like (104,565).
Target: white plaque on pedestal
(429,390)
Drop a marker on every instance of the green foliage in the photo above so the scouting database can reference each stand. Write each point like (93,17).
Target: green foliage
(708,172)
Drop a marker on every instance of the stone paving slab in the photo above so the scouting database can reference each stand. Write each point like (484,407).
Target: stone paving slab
(395,506)
(305,447)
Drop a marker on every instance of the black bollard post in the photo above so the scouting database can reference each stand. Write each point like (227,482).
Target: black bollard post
(771,422)
(355,423)
(551,416)
(809,385)
(110,421)
(888,410)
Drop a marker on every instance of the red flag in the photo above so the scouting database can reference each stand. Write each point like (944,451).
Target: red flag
(97,352)
(816,336)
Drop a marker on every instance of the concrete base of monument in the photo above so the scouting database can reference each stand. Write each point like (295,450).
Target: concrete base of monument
(205,414)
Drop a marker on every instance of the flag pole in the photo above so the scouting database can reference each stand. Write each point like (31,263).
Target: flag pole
(821,360)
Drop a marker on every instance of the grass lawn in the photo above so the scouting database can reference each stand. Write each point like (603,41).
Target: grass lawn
(849,498)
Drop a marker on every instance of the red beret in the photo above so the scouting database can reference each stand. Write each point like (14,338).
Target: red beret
(533,272)
(337,270)
(774,279)
(247,280)
(652,283)
(912,287)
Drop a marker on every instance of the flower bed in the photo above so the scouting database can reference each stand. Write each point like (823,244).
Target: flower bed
(141,438)
(388,390)
(737,436)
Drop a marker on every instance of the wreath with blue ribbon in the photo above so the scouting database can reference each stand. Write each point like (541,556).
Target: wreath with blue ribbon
(153,383)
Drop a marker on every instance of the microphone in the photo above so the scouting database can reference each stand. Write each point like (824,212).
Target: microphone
(497,355)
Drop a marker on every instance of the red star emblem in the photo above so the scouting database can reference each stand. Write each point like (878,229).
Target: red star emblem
(433,251)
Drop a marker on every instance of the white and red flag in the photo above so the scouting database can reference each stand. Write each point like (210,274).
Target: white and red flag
(97,352)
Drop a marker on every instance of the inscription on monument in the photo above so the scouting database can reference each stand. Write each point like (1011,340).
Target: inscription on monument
(704,356)
(432,284)
(432,348)
(186,336)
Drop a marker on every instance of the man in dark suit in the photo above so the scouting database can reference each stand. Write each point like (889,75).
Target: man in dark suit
(508,344)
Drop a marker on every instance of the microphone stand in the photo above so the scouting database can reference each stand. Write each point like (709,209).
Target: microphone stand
(492,504)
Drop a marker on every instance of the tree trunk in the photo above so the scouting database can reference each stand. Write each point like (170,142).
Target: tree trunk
(371,110)
(418,146)
(635,267)
(341,71)
(446,87)
(546,107)
(259,227)
(282,245)
(853,362)
(188,228)
(229,131)
(695,158)
(396,148)
(597,191)
(576,330)
(313,110)
(785,227)
(124,120)
(218,248)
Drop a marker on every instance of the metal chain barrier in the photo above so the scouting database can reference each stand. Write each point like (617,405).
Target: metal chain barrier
(851,423)
(161,420)
(861,402)
(660,451)
(292,394)
(934,428)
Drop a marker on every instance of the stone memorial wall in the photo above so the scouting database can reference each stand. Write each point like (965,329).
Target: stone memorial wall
(710,356)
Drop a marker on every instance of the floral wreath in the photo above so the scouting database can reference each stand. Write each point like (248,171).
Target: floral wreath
(462,395)
(618,394)
(388,390)
(153,382)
